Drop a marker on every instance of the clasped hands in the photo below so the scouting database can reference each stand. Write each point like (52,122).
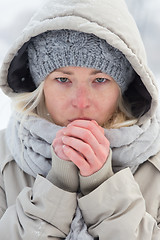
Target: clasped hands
(83,142)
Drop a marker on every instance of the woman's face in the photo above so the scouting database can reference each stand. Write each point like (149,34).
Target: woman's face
(80,93)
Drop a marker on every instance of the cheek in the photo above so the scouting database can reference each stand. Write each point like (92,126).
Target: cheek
(50,99)
(114,99)
(110,99)
(56,104)
(109,104)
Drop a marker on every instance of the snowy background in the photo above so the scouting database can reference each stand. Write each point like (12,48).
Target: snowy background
(15,14)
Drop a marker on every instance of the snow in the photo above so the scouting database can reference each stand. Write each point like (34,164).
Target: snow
(16,13)
(14,16)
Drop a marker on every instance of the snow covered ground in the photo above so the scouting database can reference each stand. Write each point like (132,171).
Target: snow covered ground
(16,13)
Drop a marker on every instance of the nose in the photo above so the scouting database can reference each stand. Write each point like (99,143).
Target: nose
(81,98)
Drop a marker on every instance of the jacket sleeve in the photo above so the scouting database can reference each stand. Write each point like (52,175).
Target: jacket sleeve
(121,210)
(42,212)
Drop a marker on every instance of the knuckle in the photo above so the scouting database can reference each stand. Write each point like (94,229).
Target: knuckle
(85,148)
(87,135)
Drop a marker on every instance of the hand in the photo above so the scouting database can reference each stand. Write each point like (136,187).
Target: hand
(58,145)
(85,145)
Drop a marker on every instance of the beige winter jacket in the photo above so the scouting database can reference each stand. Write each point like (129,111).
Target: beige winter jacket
(120,208)
(123,206)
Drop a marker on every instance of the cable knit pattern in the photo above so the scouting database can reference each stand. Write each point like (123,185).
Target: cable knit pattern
(55,49)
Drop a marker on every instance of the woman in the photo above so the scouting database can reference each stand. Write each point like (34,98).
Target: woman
(80,156)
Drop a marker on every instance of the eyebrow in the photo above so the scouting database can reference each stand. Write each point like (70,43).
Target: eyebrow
(71,73)
(95,72)
(63,71)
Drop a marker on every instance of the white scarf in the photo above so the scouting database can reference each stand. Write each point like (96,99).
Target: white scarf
(131,147)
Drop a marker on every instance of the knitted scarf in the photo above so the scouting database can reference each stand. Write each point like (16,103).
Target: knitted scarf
(131,146)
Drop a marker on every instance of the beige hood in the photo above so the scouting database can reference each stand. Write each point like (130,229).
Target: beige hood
(108,19)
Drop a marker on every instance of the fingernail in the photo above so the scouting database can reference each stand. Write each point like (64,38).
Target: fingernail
(65,147)
(63,138)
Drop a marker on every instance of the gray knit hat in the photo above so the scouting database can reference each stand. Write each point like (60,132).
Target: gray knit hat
(61,48)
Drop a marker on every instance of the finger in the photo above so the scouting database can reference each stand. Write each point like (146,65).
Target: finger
(60,153)
(85,168)
(91,126)
(84,134)
(57,145)
(58,138)
(76,158)
(78,145)
(57,141)
(100,128)
(101,151)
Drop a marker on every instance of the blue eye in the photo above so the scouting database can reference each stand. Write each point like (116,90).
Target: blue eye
(62,80)
(101,80)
